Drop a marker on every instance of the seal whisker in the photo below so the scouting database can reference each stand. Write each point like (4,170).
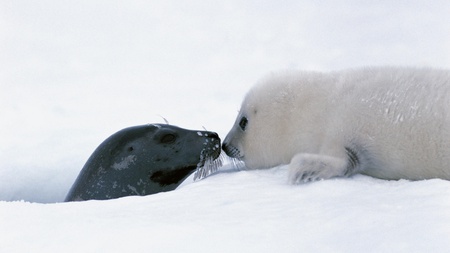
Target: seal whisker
(210,166)
(222,163)
(165,120)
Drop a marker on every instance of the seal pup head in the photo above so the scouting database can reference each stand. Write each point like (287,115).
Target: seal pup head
(143,160)
(252,137)
(276,120)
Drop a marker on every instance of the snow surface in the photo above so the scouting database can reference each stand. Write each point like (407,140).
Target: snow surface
(245,211)
(73,73)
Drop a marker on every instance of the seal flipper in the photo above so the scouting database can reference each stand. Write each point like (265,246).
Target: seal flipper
(353,162)
(311,167)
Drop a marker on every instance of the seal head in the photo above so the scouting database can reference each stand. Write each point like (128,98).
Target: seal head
(143,160)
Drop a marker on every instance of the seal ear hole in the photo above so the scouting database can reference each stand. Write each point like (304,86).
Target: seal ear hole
(168,138)
(243,123)
(130,149)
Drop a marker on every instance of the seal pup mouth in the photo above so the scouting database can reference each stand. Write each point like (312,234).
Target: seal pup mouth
(232,151)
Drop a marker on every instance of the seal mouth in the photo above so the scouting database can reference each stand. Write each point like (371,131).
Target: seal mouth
(208,154)
(209,167)
(164,178)
(210,151)
(210,158)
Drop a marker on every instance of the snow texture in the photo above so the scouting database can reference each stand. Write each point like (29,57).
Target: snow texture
(73,73)
(242,211)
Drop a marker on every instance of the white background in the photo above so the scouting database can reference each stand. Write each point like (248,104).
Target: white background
(74,72)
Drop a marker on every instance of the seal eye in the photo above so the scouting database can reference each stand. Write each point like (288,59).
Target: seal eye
(168,138)
(243,123)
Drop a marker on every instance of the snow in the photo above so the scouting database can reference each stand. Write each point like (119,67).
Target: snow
(244,211)
(73,73)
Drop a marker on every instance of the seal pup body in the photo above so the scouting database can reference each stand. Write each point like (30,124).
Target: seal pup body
(389,123)
(143,160)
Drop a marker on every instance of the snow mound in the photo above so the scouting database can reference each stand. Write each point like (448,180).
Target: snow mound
(242,211)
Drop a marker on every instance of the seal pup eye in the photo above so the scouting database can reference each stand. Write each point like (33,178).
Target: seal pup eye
(243,123)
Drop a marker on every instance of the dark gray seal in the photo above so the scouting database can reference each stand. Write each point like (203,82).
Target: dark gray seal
(143,160)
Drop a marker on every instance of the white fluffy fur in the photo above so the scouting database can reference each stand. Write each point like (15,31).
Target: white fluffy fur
(394,121)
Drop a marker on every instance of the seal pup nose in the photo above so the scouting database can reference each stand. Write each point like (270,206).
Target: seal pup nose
(230,150)
(224,146)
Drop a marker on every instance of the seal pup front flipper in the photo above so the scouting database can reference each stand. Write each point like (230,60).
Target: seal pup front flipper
(312,167)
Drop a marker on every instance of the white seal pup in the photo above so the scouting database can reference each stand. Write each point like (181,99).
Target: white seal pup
(389,123)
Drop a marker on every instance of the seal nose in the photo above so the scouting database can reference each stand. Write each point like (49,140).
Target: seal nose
(213,135)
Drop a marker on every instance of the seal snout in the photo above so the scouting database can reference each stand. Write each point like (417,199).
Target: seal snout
(213,135)
(208,134)
(211,143)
